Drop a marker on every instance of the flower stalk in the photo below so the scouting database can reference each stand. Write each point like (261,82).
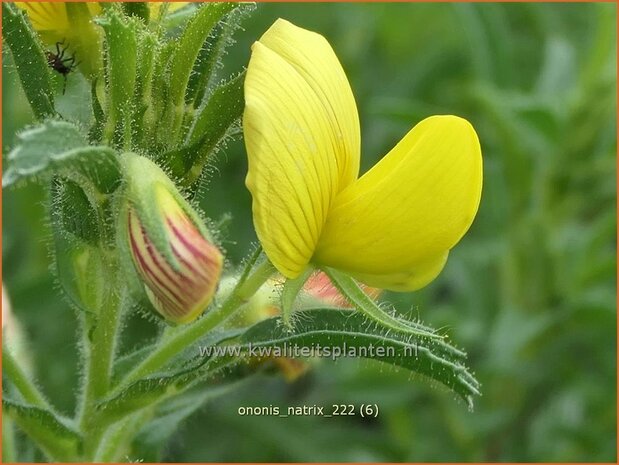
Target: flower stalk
(184,337)
(99,341)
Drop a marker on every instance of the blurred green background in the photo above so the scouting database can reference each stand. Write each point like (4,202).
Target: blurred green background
(530,292)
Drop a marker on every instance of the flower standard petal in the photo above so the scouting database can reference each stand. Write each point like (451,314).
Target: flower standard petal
(302,145)
(393,227)
(313,58)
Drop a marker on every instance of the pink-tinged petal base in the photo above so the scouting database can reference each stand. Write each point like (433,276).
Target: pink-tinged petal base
(179,295)
(320,287)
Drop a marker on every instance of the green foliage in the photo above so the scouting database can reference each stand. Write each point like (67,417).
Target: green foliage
(170,415)
(204,73)
(122,46)
(362,302)
(351,331)
(185,57)
(30,60)
(211,127)
(56,435)
(58,147)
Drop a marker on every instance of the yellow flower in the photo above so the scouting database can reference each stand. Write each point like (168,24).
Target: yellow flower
(70,23)
(391,228)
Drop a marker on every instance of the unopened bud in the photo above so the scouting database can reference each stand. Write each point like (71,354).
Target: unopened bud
(169,244)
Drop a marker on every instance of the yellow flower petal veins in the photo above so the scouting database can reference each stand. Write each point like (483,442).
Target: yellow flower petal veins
(302,137)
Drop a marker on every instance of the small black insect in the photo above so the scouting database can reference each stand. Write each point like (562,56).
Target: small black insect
(60,63)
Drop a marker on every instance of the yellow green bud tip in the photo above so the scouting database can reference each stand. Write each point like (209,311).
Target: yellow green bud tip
(179,292)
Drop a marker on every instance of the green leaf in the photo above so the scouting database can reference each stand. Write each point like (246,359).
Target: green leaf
(355,295)
(171,20)
(120,32)
(56,436)
(144,106)
(79,262)
(81,271)
(188,369)
(213,124)
(59,147)
(124,364)
(159,97)
(349,330)
(30,60)
(185,55)
(137,9)
(96,130)
(170,414)
(210,58)
(72,211)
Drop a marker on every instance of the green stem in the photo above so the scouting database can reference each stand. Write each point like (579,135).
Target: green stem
(178,341)
(115,444)
(20,379)
(9,451)
(100,345)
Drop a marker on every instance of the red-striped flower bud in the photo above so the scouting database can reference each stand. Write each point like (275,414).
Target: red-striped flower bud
(169,245)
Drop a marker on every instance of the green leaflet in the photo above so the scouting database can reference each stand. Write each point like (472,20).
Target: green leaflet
(96,130)
(122,47)
(210,58)
(170,414)
(54,434)
(81,270)
(215,119)
(72,211)
(213,123)
(30,60)
(355,295)
(77,232)
(185,55)
(346,329)
(188,369)
(137,9)
(144,108)
(59,147)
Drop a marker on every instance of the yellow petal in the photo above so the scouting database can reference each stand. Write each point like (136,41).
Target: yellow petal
(393,227)
(47,18)
(302,137)
(416,277)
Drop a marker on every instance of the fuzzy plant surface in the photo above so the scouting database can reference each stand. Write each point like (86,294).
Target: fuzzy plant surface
(129,237)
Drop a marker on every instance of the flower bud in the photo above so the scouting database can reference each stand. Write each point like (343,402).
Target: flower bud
(169,245)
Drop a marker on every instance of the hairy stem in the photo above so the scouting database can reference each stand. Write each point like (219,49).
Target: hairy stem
(176,342)
(14,372)
(115,444)
(100,345)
